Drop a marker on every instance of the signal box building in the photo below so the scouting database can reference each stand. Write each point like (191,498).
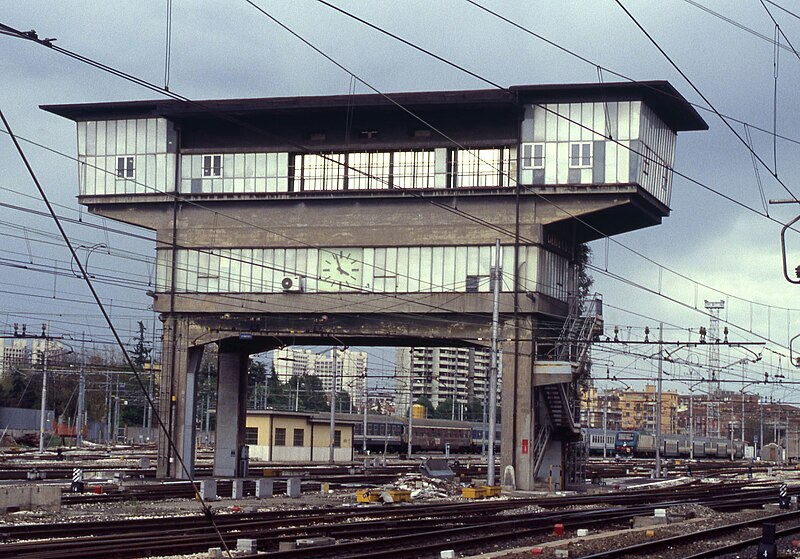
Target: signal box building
(373,220)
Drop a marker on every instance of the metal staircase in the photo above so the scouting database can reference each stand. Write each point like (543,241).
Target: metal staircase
(573,345)
(543,433)
(560,409)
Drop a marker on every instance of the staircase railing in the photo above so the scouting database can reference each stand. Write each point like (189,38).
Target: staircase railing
(540,446)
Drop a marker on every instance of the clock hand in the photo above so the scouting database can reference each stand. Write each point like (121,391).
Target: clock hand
(338,265)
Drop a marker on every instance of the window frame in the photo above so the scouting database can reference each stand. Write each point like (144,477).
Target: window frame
(533,161)
(302,433)
(583,161)
(251,435)
(337,438)
(279,437)
(208,168)
(126,167)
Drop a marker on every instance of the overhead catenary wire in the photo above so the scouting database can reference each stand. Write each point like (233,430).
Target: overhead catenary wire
(207,511)
(538,194)
(697,90)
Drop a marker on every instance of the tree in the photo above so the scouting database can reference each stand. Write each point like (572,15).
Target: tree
(342,401)
(256,376)
(583,257)
(278,393)
(474,411)
(140,353)
(444,410)
(312,395)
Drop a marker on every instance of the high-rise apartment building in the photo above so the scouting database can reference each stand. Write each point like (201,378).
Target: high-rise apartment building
(351,368)
(13,353)
(443,373)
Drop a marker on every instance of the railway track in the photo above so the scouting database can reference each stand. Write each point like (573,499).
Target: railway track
(398,531)
(736,537)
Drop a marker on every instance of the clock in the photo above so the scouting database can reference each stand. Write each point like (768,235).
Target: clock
(340,269)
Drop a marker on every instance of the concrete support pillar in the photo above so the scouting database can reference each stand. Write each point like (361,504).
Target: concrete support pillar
(264,488)
(231,409)
(177,400)
(518,411)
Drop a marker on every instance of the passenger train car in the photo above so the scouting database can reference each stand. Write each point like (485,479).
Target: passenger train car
(391,433)
(639,444)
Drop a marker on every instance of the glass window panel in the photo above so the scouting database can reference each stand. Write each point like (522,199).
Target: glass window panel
(283,172)
(279,271)
(181,270)
(402,270)
(312,269)
(574,121)
(193,271)
(122,135)
(485,261)
(290,261)
(425,269)
(461,269)
(391,270)
(151,135)
(161,135)
(551,122)
(246,270)
(227,165)
(437,270)
(141,136)
(215,274)
(367,275)
(413,270)
(235,267)
(599,120)
(150,172)
(101,137)
(256,165)
(111,137)
(587,119)
(379,270)
(624,120)
(635,118)
(449,269)
(90,137)
(473,260)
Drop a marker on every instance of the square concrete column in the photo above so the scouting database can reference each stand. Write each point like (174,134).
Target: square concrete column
(178,400)
(264,488)
(518,412)
(231,409)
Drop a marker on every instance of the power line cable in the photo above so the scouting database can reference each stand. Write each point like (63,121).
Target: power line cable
(206,509)
(551,202)
(688,80)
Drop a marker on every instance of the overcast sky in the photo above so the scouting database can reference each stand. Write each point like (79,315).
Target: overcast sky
(229,49)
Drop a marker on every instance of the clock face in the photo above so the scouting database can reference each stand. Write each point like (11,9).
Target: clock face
(340,269)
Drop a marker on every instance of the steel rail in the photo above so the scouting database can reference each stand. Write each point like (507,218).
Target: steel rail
(650,546)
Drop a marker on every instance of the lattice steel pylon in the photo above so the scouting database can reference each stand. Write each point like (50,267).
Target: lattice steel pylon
(713,418)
